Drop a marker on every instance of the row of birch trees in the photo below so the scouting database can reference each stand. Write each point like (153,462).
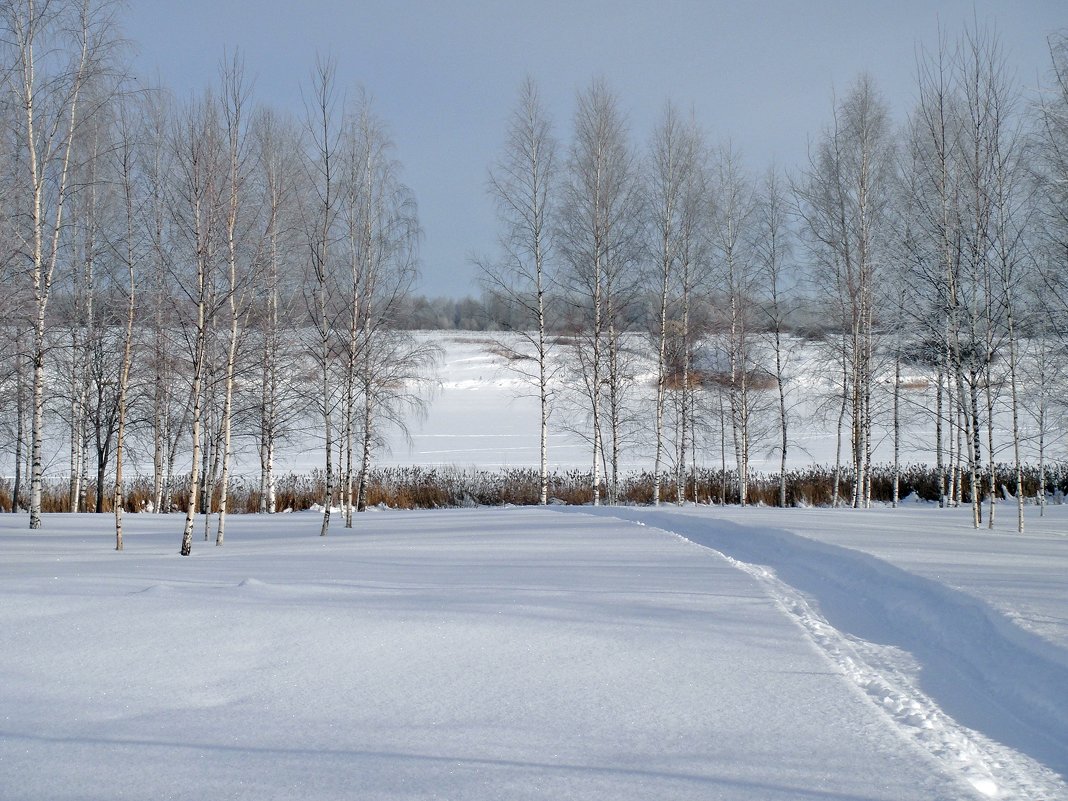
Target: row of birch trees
(180,273)
(937,242)
(184,274)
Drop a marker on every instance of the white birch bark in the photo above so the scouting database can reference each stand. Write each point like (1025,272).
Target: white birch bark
(49,113)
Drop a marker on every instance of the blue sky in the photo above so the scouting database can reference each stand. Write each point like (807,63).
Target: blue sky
(444,74)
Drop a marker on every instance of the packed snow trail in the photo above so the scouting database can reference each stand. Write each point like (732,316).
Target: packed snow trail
(472,655)
(959,678)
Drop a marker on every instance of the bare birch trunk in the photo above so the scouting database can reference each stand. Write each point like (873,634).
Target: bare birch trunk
(328,495)
(975,449)
(1041,495)
(365,460)
(160,416)
(836,493)
(596,396)
(321,126)
(194,472)
(780,385)
(124,382)
(543,403)
(661,373)
(614,407)
(1018,463)
(228,405)
(20,422)
(897,432)
(993,477)
(77,433)
(686,417)
(940,465)
(722,452)
(234,94)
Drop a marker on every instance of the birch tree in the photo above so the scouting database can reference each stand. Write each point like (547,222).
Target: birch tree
(732,234)
(15,304)
(599,239)
(678,211)
(157,166)
(774,250)
(320,215)
(233,100)
(1049,145)
(522,185)
(56,49)
(277,166)
(129,251)
(964,197)
(384,365)
(842,202)
(198,173)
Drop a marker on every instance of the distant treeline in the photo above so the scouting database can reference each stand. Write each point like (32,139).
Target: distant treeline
(417,312)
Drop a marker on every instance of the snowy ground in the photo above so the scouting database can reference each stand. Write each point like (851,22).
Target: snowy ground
(537,654)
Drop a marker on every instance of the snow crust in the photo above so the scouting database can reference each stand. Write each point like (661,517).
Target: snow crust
(459,654)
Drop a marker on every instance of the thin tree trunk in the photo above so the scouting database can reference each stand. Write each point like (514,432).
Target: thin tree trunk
(940,465)
(897,432)
(661,378)
(596,388)
(722,452)
(232,104)
(20,423)
(615,410)
(685,416)
(79,399)
(328,495)
(1041,496)
(992,485)
(543,401)
(124,382)
(208,461)
(101,471)
(868,423)
(365,460)
(1016,428)
(194,472)
(228,405)
(350,395)
(781,386)
(974,455)
(836,493)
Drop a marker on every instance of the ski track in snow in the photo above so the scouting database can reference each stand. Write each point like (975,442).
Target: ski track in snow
(897,632)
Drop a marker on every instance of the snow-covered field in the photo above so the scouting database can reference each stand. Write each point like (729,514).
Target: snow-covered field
(483,414)
(538,654)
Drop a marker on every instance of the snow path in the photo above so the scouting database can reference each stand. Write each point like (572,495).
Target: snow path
(465,654)
(954,673)
(1023,577)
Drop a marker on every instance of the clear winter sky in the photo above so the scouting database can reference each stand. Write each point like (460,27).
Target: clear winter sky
(444,73)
